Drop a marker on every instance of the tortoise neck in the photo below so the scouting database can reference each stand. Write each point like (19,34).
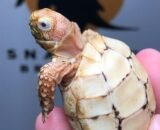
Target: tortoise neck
(72,45)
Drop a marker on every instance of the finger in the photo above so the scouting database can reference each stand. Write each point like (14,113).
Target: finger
(155,123)
(150,58)
(56,121)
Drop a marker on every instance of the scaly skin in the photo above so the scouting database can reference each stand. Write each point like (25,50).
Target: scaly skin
(52,74)
(62,38)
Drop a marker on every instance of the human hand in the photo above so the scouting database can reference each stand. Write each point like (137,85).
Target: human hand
(150,59)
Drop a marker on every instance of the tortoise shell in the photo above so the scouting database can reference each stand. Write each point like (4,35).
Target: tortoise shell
(111,90)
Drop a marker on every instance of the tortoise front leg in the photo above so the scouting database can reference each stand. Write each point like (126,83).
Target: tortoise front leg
(50,75)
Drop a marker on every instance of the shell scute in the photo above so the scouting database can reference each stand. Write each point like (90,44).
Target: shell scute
(88,67)
(90,87)
(117,46)
(69,104)
(89,108)
(91,53)
(138,121)
(150,96)
(138,69)
(130,96)
(102,123)
(115,67)
(75,124)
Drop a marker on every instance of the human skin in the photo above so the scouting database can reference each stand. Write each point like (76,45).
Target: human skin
(150,59)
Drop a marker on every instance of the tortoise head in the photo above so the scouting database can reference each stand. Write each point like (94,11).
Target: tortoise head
(55,33)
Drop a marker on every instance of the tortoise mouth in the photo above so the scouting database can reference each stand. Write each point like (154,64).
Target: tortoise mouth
(49,45)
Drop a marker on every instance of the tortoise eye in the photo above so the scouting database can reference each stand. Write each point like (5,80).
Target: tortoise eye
(44,24)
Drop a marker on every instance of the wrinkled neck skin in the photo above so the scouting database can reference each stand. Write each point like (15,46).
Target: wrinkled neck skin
(72,45)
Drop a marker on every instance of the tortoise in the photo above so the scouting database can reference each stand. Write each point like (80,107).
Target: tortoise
(102,83)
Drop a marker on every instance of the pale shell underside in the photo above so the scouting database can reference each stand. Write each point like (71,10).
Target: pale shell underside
(111,90)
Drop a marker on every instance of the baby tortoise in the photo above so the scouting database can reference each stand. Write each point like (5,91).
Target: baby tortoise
(103,85)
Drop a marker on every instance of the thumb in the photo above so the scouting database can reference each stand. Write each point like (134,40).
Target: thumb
(150,59)
(56,121)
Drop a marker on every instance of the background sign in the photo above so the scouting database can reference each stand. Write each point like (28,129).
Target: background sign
(20,56)
(92,13)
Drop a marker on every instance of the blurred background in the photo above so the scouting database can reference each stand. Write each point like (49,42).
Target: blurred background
(132,21)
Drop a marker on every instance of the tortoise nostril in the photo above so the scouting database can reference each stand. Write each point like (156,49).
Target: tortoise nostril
(30,24)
